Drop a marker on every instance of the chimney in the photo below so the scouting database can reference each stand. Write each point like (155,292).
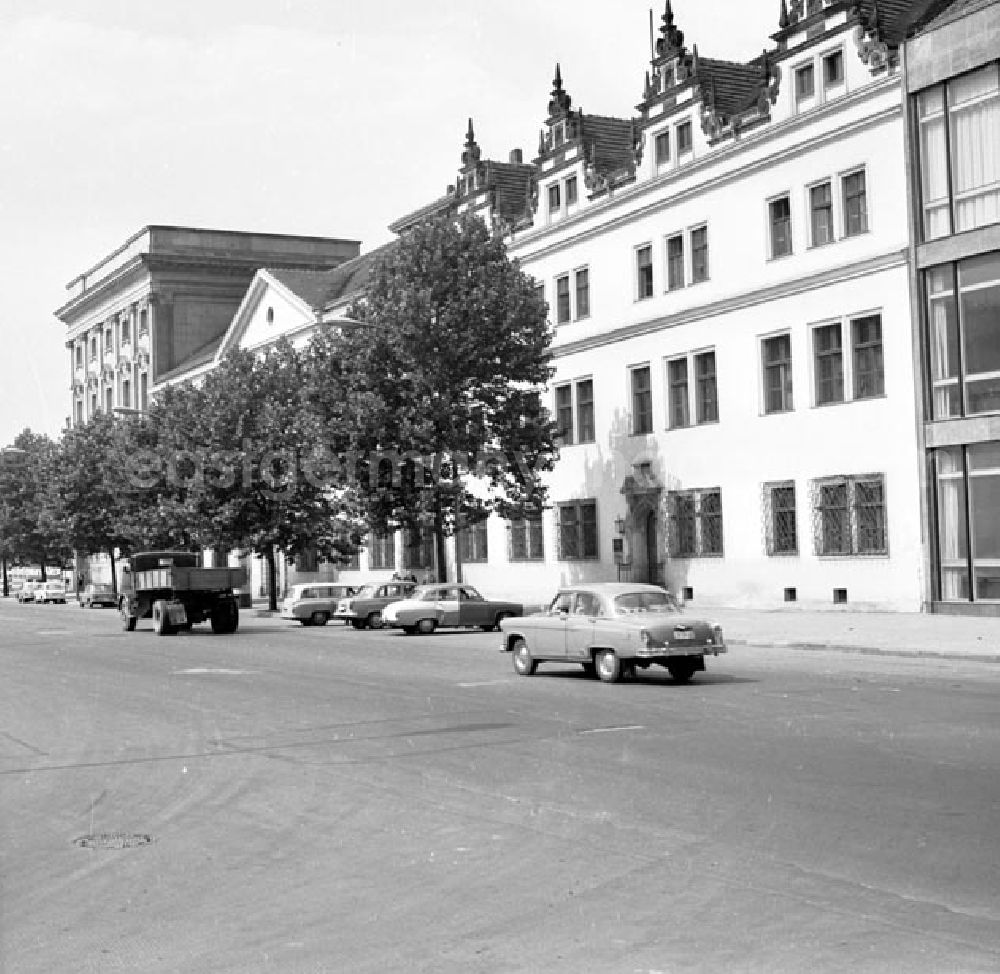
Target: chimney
(516,156)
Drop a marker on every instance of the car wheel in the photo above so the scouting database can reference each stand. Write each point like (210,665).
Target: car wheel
(161,620)
(318,618)
(681,670)
(608,665)
(426,626)
(374,620)
(524,663)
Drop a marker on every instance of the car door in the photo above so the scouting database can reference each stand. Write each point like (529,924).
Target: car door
(549,630)
(449,606)
(580,624)
(474,610)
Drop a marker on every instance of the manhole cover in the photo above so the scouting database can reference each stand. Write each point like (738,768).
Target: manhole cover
(113,840)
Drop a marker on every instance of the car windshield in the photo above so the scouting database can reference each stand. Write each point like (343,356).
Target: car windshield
(366,592)
(631,603)
(427,593)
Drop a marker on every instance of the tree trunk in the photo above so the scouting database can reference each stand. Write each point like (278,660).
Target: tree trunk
(440,554)
(114,574)
(272,579)
(44,577)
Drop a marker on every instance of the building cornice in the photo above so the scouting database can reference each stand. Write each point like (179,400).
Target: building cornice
(626,201)
(776,292)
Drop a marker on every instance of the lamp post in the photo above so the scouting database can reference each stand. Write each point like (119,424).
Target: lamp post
(5,451)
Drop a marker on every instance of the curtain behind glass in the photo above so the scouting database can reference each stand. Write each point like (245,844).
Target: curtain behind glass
(974,104)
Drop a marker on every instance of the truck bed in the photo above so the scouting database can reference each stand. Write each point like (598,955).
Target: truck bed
(190,579)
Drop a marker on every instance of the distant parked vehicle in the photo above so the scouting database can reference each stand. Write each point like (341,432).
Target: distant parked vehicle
(450,606)
(98,594)
(27,591)
(314,603)
(51,592)
(364,608)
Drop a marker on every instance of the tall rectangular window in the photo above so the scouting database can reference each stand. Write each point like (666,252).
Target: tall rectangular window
(585,410)
(583,293)
(833,70)
(945,343)
(642,401)
(418,548)
(564,413)
(677,382)
(979,314)
(869,371)
(850,515)
(563,313)
(855,204)
(555,203)
(782,534)
(821,214)
(571,192)
(578,530)
(644,272)
(805,85)
(780,217)
(525,538)
(777,362)
(684,143)
(699,254)
(828,356)
(694,523)
(933,138)
(143,391)
(706,391)
(662,149)
(474,543)
(675,262)
(381,551)
(126,393)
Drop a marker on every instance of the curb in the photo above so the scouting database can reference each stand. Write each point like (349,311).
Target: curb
(866,650)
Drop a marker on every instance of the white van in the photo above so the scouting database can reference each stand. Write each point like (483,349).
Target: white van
(313,603)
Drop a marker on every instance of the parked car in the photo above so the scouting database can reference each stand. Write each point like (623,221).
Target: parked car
(51,592)
(27,591)
(364,608)
(97,594)
(430,607)
(611,629)
(313,603)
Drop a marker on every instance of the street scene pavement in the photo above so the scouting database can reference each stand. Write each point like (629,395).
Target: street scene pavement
(325,800)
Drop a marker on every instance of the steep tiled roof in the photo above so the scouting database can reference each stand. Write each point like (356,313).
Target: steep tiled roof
(310,285)
(510,182)
(607,141)
(351,278)
(426,212)
(732,85)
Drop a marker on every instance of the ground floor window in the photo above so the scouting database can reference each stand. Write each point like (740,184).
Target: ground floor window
(695,522)
(849,515)
(779,518)
(525,539)
(578,530)
(418,548)
(382,551)
(472,543)
(968,522)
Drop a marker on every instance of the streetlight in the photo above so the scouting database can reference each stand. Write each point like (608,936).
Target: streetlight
(5,451)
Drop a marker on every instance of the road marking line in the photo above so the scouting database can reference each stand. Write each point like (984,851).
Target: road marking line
(203,671)
(484,683)
(610,730)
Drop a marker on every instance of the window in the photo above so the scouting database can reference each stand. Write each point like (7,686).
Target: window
(555,204)
(143,322)
(525,539)
(833,70)
(780,217)
(79,356)
(563,312)
(695,523)
(677,382)
(642,401)
(126,393)
(866,349)
(959,163)
(307,561)
(578,530)
(109,400)
(828,355)
(699,255)
(706,393)
(585,410)
(93,404)
(662,149)
(564,413)
(777,358)
(779,508)
(79,412)
(570,192)
(108,341)
(675,262)
(473,543)
(644,272)
(684,144)
(849,515)
(855,204)
(93,348)
(805,86)
(821,214)
(559,133)
(381,551)
(418,548)
(143,390)
(582,278)
(126,330)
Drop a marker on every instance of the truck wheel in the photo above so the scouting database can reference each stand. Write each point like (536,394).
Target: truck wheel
(681,669)
(318,619)
(161,619)
(524,662)
(128,621)
(609,666)
(225,618)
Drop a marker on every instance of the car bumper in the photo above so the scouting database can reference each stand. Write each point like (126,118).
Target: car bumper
(654,653)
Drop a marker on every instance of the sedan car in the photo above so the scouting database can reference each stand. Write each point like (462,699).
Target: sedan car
(433,606)
(98,594)
(51,592)
(26,593)
(313,603)
(611,629)
(364,608)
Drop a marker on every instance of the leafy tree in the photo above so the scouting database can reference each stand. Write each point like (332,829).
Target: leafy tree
(445,380)
(239,465)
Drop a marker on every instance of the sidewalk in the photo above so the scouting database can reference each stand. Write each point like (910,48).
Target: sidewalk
(878,633)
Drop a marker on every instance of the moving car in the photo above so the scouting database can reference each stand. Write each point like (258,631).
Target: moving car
(97,593)
(433,606)
(314,603)
(51,592)
(27,591)
(364,608)
(611,629)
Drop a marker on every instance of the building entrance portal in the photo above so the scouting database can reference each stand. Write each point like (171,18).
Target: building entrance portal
(644,559)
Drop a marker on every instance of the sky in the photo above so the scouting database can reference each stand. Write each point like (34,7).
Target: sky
(318,117)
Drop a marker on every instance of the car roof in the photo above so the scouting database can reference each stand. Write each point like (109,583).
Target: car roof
(612,588)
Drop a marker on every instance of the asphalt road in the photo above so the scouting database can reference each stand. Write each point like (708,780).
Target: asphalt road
(322,800)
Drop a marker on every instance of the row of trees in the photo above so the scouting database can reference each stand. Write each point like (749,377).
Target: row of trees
(426,412)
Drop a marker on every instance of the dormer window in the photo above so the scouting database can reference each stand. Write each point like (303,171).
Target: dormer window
(559,133)
(570,193)
(833,70)
(668,77)
(662,150)
(805,87)
(555,200)
(684,141)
